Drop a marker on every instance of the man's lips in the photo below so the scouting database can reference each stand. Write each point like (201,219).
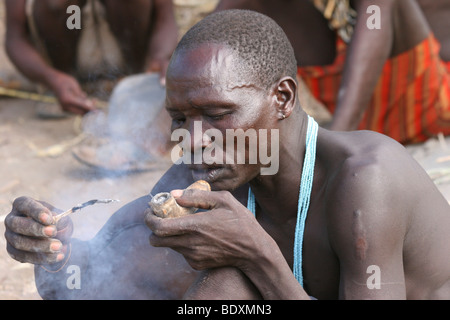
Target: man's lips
(204,167)
(207,173)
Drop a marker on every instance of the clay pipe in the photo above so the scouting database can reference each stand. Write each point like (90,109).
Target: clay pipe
(164,204)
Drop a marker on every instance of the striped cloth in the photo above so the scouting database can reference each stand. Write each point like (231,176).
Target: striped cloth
(411,101)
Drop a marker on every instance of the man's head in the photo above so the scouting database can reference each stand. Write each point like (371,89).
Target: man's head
(262,46)
(234,70)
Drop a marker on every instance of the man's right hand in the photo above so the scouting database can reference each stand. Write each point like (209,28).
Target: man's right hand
(70,95)
(32,235)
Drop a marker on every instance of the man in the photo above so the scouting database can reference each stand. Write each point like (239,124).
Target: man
(393,78)
(45,49)
(368,205)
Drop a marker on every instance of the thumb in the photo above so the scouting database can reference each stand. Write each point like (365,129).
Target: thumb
(193,198)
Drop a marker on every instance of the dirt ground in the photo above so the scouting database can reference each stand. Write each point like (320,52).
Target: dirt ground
(26,168)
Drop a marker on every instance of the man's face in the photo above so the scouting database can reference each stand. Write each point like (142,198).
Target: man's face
(205,96)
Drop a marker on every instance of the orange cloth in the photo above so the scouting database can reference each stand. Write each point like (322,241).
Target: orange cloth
(411,101)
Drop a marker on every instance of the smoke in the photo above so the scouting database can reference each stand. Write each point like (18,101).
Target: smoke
(134,104)
(123,130)
(123,136)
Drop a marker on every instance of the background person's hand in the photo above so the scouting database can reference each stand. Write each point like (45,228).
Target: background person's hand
(70,95)
(159,66)
(32,235)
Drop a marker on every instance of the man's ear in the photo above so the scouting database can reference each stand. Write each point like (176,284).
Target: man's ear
(285,97)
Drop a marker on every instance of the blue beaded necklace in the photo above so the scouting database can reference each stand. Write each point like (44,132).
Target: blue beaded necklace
(304,196)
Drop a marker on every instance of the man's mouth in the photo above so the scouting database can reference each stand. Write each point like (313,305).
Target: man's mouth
(209,174)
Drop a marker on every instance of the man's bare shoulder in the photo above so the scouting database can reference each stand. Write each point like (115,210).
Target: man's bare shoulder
(376,172)
(375,175)
(369,195)
(368,149)
(363,150)
(379,205)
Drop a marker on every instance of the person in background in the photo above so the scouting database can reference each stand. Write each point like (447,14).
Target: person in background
(390,75)
(116,38)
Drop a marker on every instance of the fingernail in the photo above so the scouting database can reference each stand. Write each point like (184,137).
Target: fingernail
(50,231)
(45,218)
(59,257)
(55,246)
(176,193)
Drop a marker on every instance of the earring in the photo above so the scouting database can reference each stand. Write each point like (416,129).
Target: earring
(283,116)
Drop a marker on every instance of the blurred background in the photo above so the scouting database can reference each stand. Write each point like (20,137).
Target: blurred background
(36,158)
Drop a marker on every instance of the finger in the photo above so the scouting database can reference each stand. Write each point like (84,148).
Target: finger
(34,257)
(29,227)
(50,207)
(29,244)
(162,81)
(176,193)
(201,199)
(88,104)
(64,229)
(73,109)
(153,66)
(171,226)
(33,209)
(163,72)
(166,242)
(81,106)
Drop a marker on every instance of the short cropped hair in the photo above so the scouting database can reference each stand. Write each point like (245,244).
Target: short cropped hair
(263,48)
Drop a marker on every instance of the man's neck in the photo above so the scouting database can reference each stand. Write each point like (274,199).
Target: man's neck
(277,195)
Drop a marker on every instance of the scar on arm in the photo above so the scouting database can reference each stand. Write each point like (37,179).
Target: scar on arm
(359,236)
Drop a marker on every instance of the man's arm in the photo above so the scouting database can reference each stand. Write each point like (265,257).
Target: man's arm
(368,214)
(117,263)
(367,53)
(85,267)
(29,62)
(19,48)
(229,236)
(163,39)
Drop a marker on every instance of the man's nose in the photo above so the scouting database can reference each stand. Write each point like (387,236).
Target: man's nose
(198,140)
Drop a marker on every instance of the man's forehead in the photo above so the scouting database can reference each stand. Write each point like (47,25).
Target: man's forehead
(208,63)
(207,50)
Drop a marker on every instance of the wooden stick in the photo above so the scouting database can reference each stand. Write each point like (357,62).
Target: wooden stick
(81,206)
(13,93)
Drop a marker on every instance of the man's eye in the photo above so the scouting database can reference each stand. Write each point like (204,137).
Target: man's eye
(178,121)
(217,117)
